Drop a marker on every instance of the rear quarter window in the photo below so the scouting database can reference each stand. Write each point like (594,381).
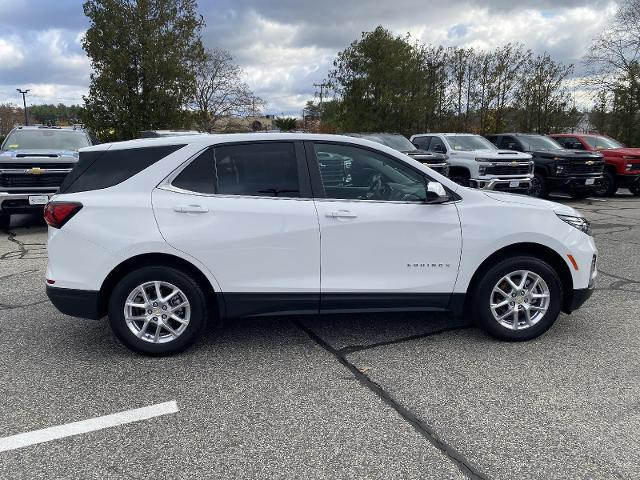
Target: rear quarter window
(106,168)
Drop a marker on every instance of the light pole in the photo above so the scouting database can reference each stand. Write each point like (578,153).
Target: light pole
(24,102)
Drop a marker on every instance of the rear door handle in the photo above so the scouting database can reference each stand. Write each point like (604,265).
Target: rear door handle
(190,209)
(341,214)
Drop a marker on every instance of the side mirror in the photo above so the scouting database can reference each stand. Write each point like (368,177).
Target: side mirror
(416,145)
(436,193)
(513,146)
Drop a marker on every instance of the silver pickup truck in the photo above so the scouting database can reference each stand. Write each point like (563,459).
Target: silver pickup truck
(34,161)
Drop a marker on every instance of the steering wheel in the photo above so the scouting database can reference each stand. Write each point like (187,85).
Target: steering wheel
(378,190)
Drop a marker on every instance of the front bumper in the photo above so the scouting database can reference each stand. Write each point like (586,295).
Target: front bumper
(19,202)
(574,183)
(627,179)
(76,303)
(502,184)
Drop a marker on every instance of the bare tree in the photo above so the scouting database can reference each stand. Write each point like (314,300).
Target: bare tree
(221,91)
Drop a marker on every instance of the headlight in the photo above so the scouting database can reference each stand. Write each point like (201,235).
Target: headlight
(481,170)
(560,169)
(629,165)
(580,223)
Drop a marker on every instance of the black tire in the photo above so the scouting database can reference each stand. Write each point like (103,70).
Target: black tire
(481,298)
(538,186)
(635,188)
(5,220)
(194,295)
(580,195)
(461,178)
(608,187)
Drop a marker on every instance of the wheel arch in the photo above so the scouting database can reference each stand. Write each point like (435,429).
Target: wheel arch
(537,250)
(162,259)
(453,170)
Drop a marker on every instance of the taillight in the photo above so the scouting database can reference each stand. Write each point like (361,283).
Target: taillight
(56,214)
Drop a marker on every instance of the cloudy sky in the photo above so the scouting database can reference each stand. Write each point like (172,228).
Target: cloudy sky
(285,46)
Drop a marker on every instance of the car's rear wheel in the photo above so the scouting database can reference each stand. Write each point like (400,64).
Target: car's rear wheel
(538,187)
(608,187)
(518,299)
(157,310)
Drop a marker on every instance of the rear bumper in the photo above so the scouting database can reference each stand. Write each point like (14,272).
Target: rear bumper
(76,303)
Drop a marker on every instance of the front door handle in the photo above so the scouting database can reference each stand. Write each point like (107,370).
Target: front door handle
(190,209)
(341,214)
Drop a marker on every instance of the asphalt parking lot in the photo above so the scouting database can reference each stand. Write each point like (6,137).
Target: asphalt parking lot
(402,396)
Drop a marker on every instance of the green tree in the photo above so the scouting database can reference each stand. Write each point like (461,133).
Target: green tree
(142,53)
(379,81)
(285,124)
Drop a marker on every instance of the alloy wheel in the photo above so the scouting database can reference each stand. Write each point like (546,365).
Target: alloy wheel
(157,312)
(519,300)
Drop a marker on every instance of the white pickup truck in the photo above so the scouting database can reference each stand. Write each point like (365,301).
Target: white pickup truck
(476,162)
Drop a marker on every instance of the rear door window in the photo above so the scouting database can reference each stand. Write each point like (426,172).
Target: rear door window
(105,168)
(267,169)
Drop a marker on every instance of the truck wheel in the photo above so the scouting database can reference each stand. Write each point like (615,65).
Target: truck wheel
(518,299)
(608,187)
(538,186)
(635,188)
(5,220)
(157,310)
(461,178)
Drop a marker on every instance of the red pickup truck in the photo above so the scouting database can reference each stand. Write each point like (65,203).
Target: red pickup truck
(622,164)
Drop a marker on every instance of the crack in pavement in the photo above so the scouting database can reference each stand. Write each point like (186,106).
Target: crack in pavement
(359,348)
(23,249)
(463,464)
(4,277)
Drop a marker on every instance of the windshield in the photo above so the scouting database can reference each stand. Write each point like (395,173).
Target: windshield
(538,142)
(468,143)
(603,142)
(397,142)
(45,139)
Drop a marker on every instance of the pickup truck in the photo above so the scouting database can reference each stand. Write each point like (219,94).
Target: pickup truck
(475,162)
(34,160)
(435,161)
(622,164)
(575,172)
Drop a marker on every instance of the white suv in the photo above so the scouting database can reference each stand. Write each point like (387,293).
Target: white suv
(163,235)
(476,162)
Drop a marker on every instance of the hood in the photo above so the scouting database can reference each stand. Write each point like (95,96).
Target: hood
(30,156)
(38,153)
(622,151)
(494,155)
(533,202)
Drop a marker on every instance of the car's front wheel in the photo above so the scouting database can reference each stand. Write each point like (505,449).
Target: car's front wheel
(518,299)
(157,310)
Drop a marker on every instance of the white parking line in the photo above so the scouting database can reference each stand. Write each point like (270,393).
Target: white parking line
(85,426)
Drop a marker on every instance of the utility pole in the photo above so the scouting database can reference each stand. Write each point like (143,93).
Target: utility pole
(24,102)
(321,86)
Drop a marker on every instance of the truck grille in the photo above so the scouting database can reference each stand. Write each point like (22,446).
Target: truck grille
(507,169)
(583,168)
(333,173)
(27,180)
